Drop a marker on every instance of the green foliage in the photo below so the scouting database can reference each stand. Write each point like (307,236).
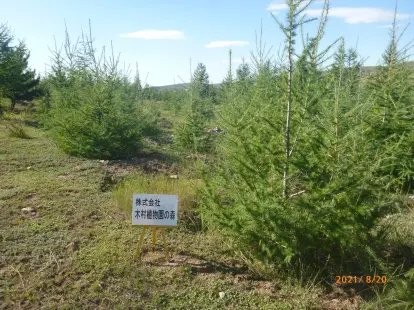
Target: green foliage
(390,116)
(404,291)
(16,131)
(399,294)
(244,77)
(309,190)
(137,92)
(94,109)
(17,81)
(200,81)
(191,136)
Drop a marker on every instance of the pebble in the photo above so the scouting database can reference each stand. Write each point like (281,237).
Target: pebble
(72,246)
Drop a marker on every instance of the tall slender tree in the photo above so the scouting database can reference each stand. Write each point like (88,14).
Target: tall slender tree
(294,21)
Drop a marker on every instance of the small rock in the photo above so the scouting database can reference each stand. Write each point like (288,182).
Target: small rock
(72,246)
(411,197)
(216,130)
(30,167)
(194,156)
(221,294)
(174,176)
(28,209)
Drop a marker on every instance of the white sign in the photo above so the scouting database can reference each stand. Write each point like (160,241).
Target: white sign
(154,210)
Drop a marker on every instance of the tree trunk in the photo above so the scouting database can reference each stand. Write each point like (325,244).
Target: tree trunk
(289,111)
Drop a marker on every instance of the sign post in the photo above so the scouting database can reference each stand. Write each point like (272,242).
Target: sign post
(154,211)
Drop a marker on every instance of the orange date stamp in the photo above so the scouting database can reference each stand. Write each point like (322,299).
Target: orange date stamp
(341,280)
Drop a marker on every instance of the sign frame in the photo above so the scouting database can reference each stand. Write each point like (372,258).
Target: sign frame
(152,204)
(174,202)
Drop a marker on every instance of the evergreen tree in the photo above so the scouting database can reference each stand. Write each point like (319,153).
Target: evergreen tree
(226,86)
(93,112)
(200,82)
(294,21)
(228,79)
(17,81)
(389,115)
(5,39)
(192,135)
(136,86)
(244,80)
(293,185)
(243,73)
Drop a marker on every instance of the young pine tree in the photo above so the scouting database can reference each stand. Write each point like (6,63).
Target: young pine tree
(17,81)
(308,201)
(389,116)
(191,136)
(93,112)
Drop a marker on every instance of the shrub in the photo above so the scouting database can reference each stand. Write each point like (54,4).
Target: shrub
(93,108)
(17,131)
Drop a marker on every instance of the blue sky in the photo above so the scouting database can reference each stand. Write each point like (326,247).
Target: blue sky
(162,35)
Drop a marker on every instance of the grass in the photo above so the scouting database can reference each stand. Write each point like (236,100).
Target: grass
(17,132)
(74,249)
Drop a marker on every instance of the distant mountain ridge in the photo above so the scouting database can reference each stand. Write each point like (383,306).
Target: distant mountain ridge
(183,86)
(371,69)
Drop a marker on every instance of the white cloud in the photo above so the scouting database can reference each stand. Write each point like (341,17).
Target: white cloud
(236,60)
(155,34)
(275,6)
(226,44)
(360,15)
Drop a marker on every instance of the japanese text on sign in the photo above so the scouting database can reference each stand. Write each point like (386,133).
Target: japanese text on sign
(154,210)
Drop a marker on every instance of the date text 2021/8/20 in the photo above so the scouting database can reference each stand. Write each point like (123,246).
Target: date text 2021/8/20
(361,279)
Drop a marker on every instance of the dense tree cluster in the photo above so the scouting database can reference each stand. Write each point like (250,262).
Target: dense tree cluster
(317,154)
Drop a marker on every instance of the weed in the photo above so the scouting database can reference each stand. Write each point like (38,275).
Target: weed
(16,131)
